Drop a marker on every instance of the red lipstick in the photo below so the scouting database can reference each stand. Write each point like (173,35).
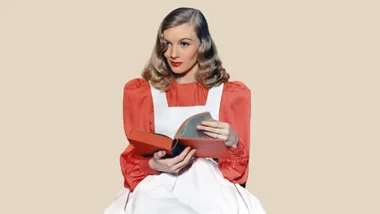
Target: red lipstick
(176,64)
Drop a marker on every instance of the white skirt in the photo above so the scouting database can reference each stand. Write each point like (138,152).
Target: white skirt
(200,189)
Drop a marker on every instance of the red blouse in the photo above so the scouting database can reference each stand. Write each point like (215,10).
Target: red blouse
(138,113)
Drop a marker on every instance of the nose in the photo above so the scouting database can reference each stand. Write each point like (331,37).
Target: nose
(174,52)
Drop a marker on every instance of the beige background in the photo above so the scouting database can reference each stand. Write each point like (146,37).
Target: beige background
(313,68)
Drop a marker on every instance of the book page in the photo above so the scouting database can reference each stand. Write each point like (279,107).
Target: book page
(189,129)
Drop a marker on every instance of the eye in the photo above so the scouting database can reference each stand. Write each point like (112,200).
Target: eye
(168,43)
(184,44)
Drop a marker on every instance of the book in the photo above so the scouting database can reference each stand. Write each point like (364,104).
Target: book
(147,143)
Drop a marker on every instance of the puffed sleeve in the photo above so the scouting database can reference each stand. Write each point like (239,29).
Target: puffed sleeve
(137,114)
(236,110)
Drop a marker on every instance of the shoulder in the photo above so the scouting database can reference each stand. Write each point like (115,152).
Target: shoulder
(236,100)
(236,88)
(136,84)
(137,88)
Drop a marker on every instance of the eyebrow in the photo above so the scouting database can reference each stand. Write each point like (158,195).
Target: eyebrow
(186,38)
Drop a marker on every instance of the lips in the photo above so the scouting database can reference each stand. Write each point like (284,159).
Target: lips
(176,64)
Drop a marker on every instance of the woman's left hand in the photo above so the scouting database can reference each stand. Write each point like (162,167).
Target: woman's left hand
(220,130)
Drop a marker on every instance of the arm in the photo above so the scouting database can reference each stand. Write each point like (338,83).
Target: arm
(236,111)
(137,114)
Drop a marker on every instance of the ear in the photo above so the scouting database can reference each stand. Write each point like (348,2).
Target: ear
(202,45)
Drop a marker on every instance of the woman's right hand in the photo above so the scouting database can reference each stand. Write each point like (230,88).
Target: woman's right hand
(171,165)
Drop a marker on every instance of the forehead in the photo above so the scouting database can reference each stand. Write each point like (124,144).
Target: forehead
(179,32)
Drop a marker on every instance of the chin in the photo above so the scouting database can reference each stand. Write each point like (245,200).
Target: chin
(177,70)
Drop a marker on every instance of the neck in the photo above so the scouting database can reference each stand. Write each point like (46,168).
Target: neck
(189,76)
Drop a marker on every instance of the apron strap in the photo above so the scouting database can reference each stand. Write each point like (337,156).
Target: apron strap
(160,103)
(214,98)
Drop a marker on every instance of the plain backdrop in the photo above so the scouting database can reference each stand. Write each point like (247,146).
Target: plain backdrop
(312,66)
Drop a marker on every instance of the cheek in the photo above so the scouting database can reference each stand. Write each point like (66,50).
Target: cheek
(192,55)
(166,54)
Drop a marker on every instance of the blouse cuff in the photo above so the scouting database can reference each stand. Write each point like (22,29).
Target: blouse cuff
(238,152)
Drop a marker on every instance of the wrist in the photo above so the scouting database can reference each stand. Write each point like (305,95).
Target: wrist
(148,167)
(151,164)
(235,144)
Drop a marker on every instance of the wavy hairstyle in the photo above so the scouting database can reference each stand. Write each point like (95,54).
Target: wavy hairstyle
(211,73)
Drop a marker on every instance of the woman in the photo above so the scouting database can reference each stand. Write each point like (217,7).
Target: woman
(184,77)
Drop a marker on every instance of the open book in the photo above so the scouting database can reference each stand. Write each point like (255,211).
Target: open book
(147,143)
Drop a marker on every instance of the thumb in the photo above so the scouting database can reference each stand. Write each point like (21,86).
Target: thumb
(159,154)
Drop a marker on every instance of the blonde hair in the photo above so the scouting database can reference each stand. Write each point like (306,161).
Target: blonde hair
(211,73)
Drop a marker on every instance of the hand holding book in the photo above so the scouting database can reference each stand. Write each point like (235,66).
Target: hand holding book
(220,130)
(171,165)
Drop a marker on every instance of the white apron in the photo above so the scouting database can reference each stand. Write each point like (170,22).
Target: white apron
(200,189)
